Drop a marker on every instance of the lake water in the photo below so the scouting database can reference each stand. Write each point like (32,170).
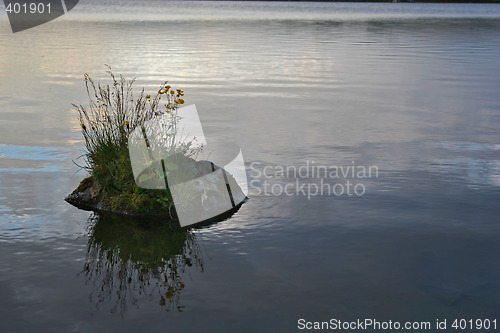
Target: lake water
(409,92)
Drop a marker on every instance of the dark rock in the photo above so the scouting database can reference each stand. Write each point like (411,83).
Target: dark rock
(90,196)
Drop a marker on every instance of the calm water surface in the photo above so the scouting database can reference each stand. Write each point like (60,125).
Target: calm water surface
(410,89)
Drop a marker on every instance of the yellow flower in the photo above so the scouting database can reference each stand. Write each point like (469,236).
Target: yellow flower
(181,101)
(161,92)
(127,122)
(167,87)
(83,126)
(172,92)
(148,96)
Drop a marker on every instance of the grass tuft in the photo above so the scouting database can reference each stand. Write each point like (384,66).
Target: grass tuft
(112,113)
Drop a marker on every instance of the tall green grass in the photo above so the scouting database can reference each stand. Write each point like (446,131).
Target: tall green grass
(114,111)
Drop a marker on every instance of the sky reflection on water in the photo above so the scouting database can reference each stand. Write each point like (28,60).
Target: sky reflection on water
(415,96)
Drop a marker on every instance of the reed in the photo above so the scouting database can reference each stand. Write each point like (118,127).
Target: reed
(114,111)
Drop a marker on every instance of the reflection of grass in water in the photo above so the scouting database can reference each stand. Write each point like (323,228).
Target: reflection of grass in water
(130,257)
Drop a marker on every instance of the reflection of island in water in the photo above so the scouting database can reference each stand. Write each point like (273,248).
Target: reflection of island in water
(128,258)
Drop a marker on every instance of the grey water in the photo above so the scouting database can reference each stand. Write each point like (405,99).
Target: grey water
(316,95)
